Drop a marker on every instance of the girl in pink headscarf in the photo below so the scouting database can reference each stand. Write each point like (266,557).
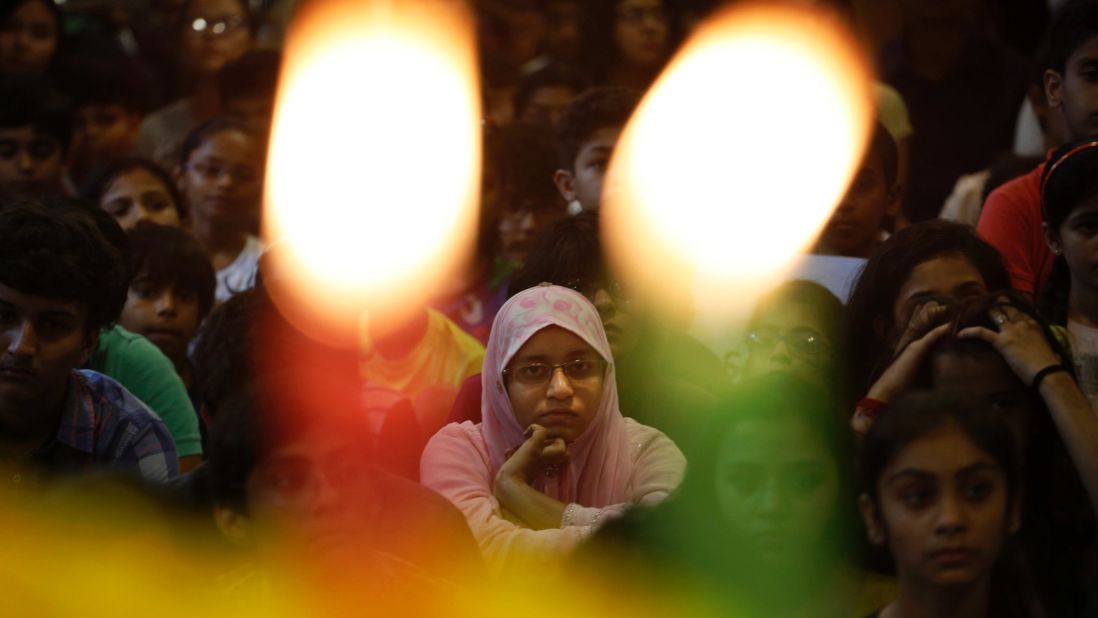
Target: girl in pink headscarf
(553,457)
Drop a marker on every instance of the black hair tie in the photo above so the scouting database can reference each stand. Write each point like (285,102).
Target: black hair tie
(1044,373)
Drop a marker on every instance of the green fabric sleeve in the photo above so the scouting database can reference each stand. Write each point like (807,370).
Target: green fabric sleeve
(142,369)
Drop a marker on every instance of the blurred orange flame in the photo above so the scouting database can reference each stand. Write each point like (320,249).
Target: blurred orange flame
(736,157)
(374,168)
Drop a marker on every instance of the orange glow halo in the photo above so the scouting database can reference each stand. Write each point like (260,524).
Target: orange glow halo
(736,157)
(374,170)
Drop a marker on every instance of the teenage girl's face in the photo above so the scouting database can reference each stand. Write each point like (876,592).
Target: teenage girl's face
(28,39)
(1078,240)
(137,195)
(222,179)
(943,510)
(985,375)
(215,33)
(641,32)
(777,487)
(949,276)
(789,337)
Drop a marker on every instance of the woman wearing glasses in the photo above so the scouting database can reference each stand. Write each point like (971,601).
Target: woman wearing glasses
(553,457)
(215,33)
(798,328)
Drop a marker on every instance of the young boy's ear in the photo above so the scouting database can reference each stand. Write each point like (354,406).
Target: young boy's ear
(1053,88)
(892,203)
(565,184)
(234,525)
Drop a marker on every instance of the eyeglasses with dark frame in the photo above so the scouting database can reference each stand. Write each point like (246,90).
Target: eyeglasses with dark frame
(539,374)
(800,341)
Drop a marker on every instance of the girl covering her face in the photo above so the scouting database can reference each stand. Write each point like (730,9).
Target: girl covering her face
(553,457)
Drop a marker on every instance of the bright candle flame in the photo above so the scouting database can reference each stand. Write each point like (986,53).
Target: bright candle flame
(374,168)
(736,157)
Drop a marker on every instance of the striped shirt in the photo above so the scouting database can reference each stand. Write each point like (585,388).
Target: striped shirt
(104,426)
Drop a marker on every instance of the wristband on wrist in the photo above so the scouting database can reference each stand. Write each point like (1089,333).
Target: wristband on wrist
(1044,373)
(871,407)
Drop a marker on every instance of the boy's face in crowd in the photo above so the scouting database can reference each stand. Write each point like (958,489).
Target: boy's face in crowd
(313,492)
(104,130)
(221,181)
(28,39)
(641,32)
(943,510)
(42,339)
(30,162)
(167,316)
(856,224)
(223,35)
(135,196)
(1076,91)
(584,181)
(776,488)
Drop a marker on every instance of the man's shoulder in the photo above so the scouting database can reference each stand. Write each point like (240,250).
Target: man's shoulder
(1024,189)
(111,400)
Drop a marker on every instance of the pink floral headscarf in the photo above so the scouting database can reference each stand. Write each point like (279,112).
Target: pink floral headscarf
(601,466)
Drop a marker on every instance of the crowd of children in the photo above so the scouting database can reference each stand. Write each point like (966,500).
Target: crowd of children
(922,442)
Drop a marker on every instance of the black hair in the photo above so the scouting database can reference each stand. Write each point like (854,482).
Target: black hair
(202,132)
(920,413)
(882,147)
(101,181)
(107,79)
(525,162)
(591,111)
(169,257)
(34,101)
(65,250)
(568,250)
(253,74)
(1070,178)
(1072,25)
(1058,529)
(551,76)
(832,315)
(224,353)
(871,301)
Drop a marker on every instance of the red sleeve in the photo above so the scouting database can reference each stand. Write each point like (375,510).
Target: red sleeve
(1011,222)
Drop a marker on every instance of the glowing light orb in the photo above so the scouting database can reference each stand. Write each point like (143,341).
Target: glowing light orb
(735,158)
(374,167)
